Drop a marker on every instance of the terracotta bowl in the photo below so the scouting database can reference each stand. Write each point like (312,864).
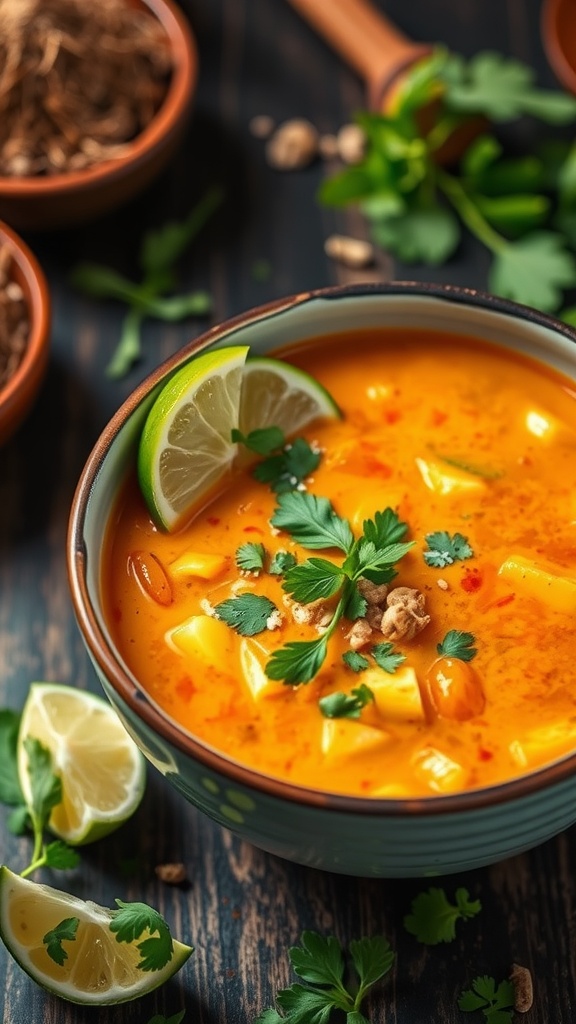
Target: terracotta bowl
(351,835)
(62,200)
(19,393)
(558,22)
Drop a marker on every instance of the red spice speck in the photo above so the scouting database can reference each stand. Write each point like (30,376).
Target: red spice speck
(504,600)
(438,417)
(392,415)
(213,520)
(471,581)
(365,784)
(185,688)
(484,755)
(252,529)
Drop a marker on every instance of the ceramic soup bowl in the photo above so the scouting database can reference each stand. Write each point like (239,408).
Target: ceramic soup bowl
(385,837)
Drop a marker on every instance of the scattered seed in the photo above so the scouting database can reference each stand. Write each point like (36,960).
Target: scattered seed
(293,145)
(172,874)
(351,143)
(521,979)
(443,584)
(352,252)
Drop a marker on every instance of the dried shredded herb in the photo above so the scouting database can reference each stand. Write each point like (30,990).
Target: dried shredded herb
(14,319)
(78,82)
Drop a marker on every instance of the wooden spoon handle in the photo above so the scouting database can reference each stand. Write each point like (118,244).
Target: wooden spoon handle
(366,40)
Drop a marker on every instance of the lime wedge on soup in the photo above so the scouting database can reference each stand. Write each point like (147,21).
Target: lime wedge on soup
(186,447)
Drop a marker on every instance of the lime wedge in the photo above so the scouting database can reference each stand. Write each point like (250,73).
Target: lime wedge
(186,447)
(101,768)
(94,968)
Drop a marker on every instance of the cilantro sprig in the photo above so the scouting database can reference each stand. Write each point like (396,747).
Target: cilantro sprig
(313,523)
(129,923)
(495,1001)
(458,644)
(443,549)
(159,252)
(346,705)
(522,209)
(286,465)
(433,918)
(321,964)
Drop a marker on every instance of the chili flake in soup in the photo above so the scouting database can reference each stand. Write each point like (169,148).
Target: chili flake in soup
(457,673)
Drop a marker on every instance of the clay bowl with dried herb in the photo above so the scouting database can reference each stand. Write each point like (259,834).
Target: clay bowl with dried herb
(24,330)
(94,101)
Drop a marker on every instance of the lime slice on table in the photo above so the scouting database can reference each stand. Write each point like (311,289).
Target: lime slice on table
(101,768)
(186,446)
(97,969)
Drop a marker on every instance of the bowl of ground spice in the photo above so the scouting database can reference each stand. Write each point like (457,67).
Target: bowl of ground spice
(24,330)
(94,101)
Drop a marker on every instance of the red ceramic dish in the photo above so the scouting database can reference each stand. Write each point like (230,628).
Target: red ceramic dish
(19,393)
(41,203)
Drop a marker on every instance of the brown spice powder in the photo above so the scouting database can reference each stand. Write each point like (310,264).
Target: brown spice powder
(14,319)
(78,82)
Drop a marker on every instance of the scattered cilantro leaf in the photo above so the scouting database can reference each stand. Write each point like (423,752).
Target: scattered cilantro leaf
(281,562)
(61,856)
(312,521)
(321,964)
(495,1001)
(10,791)
(433,917)
(458,644)
(131,921)
(346,705)
(246,613)
(250,557)
(289,468)
(262,441)
(46,787)
(313,579)
(445,550)
(387,657)
(356,661)
(297,661)
(534,270)
(65,931)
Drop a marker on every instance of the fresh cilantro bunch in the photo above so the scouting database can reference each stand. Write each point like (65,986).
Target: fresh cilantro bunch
(159,252)
(522,208)
(321,964)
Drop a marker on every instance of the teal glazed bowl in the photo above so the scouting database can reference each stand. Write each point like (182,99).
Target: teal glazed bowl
(349,835)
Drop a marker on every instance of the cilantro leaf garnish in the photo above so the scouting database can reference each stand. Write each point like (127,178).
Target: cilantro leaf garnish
(495,1001)
(321,964)
(346,705)
(387,657)
(313,579)
(281,562)
(250,557)
(312,521)
(286,464)
(65,931)
(262,441)
(356,661)
(131,921)
(248,614)
(444,549)
(458,644)
(433,917)
(61,856)
(297,661)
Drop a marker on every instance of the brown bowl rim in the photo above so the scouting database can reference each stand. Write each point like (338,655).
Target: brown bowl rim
(135,696)
(30,370)
(165,123)
(565,72)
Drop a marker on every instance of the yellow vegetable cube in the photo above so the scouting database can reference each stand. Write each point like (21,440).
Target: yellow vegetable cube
(206,638)
(253,658)
(345,738)
(397,696)
(447,479)
(541,581)
(193,563)
(438,771)
(543,743)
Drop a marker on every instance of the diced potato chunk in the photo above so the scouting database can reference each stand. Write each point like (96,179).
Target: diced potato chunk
(543,743)
(397,696)
(447,479)
(193,563)
(438,771)
(206,638)
(541,581)
(253,658)
(344,738)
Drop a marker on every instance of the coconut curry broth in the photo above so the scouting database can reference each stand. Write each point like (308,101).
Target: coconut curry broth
(457,436)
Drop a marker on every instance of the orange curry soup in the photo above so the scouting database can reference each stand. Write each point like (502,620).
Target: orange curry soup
(455,435)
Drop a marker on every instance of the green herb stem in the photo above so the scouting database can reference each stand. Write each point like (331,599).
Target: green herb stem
(469,213)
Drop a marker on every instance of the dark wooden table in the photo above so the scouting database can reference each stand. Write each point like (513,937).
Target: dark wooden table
(243,908)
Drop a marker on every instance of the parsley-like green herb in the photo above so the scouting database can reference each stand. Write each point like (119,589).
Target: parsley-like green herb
(286,464)
(250,557)
(495,1001)
(519,209)
(131,921)
(387,657)
(10,791)
(321,964)
(313,523)
(246,613)
(65,931)
(281,562)
(458,644)
(159,253)
(356,661)
(444,550)
(46,793)
(433,917)
(346,705)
